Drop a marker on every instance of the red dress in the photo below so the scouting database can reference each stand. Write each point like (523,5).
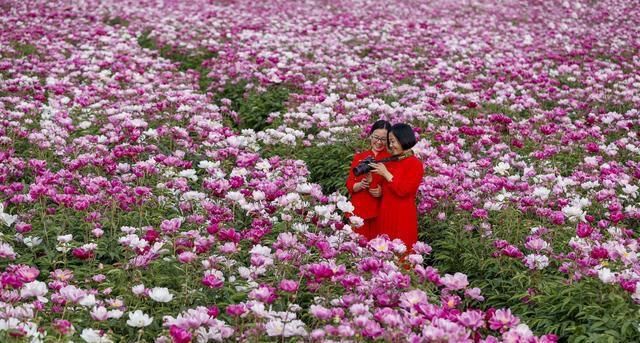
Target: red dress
(398,217)
(366,206)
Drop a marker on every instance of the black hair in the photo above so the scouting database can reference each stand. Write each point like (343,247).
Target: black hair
(404,134)
(380,124)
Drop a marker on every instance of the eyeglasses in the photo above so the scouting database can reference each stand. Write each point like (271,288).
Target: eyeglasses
(379,139)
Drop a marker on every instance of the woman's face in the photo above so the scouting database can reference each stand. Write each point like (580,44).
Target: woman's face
(378,140)
(394,146)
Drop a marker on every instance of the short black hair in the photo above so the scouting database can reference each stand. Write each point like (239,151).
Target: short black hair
(380,124)
(404,134)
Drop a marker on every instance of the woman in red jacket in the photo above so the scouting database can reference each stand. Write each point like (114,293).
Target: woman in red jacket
(397,216)
(364,189)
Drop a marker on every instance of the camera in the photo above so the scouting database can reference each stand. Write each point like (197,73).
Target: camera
(363,166)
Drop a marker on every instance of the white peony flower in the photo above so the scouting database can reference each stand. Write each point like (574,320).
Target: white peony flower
(263,165)
(356,221)
(300,227)
(502,168)
(115,314)
(606,275)
(590,184)
(151,133)
(324,210)
(34,289)
(208,164)
(541,192)
(235,196)
(189,174)
(260,250)
(258,195)
(345,206)
(630,190)
(535,261)
(88,300)
(493,206)
(138,319)
(193,195)
(633,148)
(32,241)
(574,213)
(160,294)
(8,219)
(65,239)
(304,188)
(275,327)
(94,336)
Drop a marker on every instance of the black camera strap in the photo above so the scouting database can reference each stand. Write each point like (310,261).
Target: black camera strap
(364,166)
(397,157)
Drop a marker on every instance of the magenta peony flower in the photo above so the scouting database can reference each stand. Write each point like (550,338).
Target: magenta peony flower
(212,281)
(288,286)
(235,310)
(213,311)
(512,251)
(82,254)
(179,335)
(584,230)
(320,270)
(64,327)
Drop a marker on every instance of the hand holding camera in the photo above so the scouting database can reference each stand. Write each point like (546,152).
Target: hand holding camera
(381,169)
(363,184)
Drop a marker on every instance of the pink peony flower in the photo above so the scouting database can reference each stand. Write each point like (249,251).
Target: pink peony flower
(264,293)
(455,282)
(503,320)
(472,319)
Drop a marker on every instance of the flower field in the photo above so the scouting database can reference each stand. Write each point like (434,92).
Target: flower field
(173,171)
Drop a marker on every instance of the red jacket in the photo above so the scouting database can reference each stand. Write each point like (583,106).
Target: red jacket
(397,216)
(366,206)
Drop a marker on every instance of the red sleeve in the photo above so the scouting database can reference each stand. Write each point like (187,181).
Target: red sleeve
(351,179)
(408,180)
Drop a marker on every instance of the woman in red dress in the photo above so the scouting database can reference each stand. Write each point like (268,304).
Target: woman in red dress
(365,189)
(397,216)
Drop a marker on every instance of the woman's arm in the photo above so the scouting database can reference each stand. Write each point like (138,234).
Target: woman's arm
(405,181)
